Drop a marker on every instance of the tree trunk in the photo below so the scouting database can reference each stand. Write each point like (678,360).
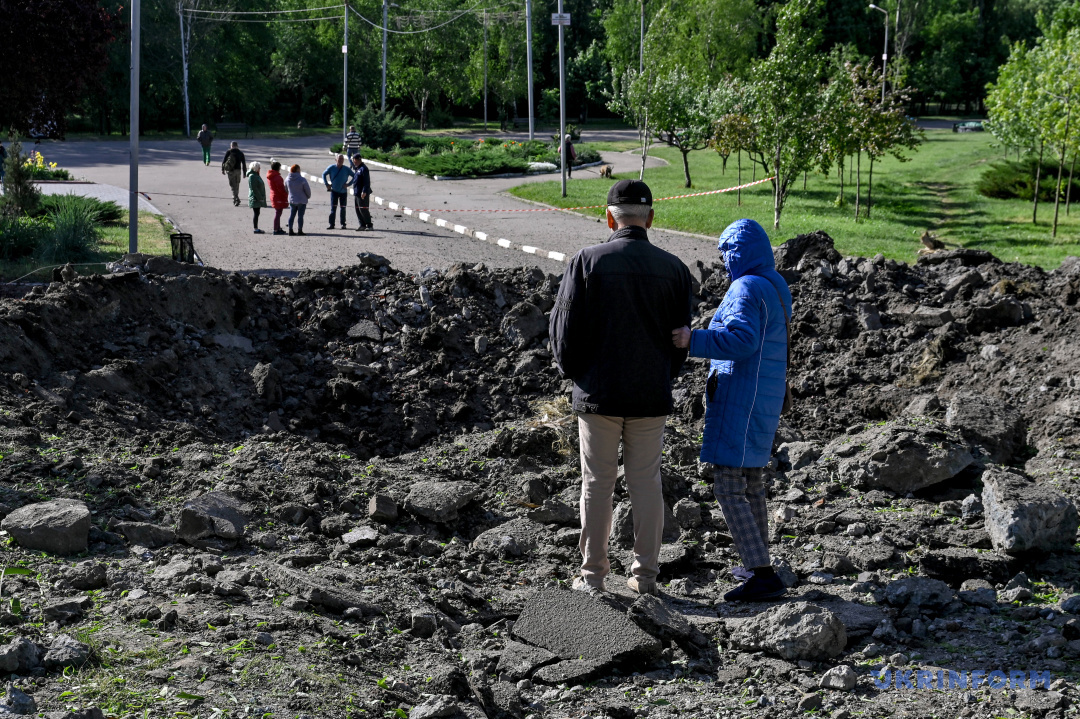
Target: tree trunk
(804,180)
(858,183)
(738,193)
(1038,177)
(644,145)
(870,188)
(723,164)
(1061,168)
(686,165)
(778,203)
(423,111)
(1068,193)
(841,198)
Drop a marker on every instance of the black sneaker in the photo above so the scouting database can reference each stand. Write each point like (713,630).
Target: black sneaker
(300,233)
(291,233)
(757,589)
(331,227)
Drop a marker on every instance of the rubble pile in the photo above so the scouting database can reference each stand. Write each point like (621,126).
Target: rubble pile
(353,493)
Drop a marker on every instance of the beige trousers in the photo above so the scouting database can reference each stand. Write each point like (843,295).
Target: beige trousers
(642,439)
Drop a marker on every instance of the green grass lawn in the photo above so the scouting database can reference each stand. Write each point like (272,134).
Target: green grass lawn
(153,240)
(934,191)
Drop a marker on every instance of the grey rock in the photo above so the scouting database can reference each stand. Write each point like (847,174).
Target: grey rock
(440,501)
(784,571)
(622,525)
(651,614)
(362,537)
(436,708)
(174,570)
(1022,516)
(66,652)
(956,564)
(87,575)
(23,653)
(552,511)
(523,323)
(868,317)
(572,671)
(366,330)
(334,597)
(972,506)
(842,678)
(799,455)
(1016,594)
(519,661)
(953,285)
(1071,605)
(1038,703)
(577,625)
(65,610)
(901,455)
(981,597)
(230,341)
(793,631)
(18,702)
(859,620)
(61,526)
(213,515)
(512,539)
(687,513)
(992,424)
(920,592)
(922,406)
(923,316)
(146,534)
(382,508)
(267,381)
(424,623)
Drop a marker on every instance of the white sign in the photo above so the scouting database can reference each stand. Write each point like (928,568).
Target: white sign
(560,18)
(345,49)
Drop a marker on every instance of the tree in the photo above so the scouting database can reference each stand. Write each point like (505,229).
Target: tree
(679,114)
(629,98)
(785,95)
(53,48)
(838,119)
(1060,81)
(889,131)
(587,78)
(20,196)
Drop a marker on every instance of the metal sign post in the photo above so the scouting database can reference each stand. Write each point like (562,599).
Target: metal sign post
(345,84)
(133,129)
(385,15)
(562,19)
(528,59)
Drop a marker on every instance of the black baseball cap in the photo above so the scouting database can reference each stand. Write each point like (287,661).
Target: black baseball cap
(629,192)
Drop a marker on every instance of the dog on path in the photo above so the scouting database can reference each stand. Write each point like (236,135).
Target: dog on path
(605,171)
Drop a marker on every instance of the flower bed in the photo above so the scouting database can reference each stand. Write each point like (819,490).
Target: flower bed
(41,170)
(454,157)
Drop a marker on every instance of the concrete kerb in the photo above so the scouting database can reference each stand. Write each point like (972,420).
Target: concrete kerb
(441,178)
(590,217)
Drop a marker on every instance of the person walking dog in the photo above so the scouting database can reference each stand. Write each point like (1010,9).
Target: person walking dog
(611,334)
(746,390)
(337,178)
(299,194)
(204,138)
(279,196)
(256,194)
(234,165)
(361,193)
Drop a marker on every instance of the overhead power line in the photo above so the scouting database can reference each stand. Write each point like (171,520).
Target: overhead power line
(262,12)
(416,32)
(266,21)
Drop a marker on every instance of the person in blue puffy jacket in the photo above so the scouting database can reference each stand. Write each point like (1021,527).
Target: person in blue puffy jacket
(747,343)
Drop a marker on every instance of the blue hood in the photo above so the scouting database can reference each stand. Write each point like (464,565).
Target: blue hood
(745,249)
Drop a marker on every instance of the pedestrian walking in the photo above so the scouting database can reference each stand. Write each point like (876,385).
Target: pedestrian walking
(567,149)
(337,178)
(204,138)
(610,333)
(299,194)
(352,141)
(279,196)
(234,166)
(747,342)
(361,193)
(256,194)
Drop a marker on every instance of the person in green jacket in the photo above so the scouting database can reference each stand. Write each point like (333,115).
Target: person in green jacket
(205,138)
(256,193)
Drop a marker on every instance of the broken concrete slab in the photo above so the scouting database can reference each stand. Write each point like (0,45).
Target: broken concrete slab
(335,597)
(519,661)
(552,511)
(572,671)
(954,565)
(651,614)
(61,526)
(1023,516)
(577,625)
(901,455)
(215,515)
(921,592)
(512,539)
(794,631)
(991,424)
(146,534)
(440,501)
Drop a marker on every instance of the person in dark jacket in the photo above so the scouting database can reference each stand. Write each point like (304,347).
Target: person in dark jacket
(611,334)
(361,193)
(747,343)
(205,139)
(337,178)
(235,166)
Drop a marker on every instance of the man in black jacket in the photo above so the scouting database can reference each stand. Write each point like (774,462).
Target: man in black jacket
(362,193)
(611,334)
(235,166)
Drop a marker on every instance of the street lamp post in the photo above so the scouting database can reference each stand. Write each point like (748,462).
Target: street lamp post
(885,54)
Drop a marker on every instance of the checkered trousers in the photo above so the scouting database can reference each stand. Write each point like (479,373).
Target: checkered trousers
(741,494)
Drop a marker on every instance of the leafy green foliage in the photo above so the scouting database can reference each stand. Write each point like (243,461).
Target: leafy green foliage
(378,129)
(107,212)
(21,196)
(75,233)
(1008,180)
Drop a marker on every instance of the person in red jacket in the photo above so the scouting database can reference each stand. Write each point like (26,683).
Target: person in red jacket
(279,196)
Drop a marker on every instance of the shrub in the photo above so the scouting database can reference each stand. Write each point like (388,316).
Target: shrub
(381,130)
(467,164)
(1016,180)
(20,195)
(75,232)
(21,235)
(108,213)
(437,118)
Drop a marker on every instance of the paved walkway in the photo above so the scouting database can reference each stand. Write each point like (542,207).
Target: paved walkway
(198,199)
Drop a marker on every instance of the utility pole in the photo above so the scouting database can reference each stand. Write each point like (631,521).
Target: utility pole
(485,71)
(345,82)
(385,16)
(885,54)
(562,97)
(133,161)
(184,62)
(641,49)
(528,60)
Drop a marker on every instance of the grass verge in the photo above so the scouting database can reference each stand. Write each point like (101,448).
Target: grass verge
(934,191)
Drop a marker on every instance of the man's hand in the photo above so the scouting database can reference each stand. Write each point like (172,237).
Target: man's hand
(681,337)
(363,195)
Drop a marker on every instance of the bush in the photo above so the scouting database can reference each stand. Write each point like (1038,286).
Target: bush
(108,213)
(20,195)
(1016,180)
(438,118)
(380,130)
(75,232)
(467,164)
(21,235)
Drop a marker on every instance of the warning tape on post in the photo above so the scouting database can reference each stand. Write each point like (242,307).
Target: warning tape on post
(425,215)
